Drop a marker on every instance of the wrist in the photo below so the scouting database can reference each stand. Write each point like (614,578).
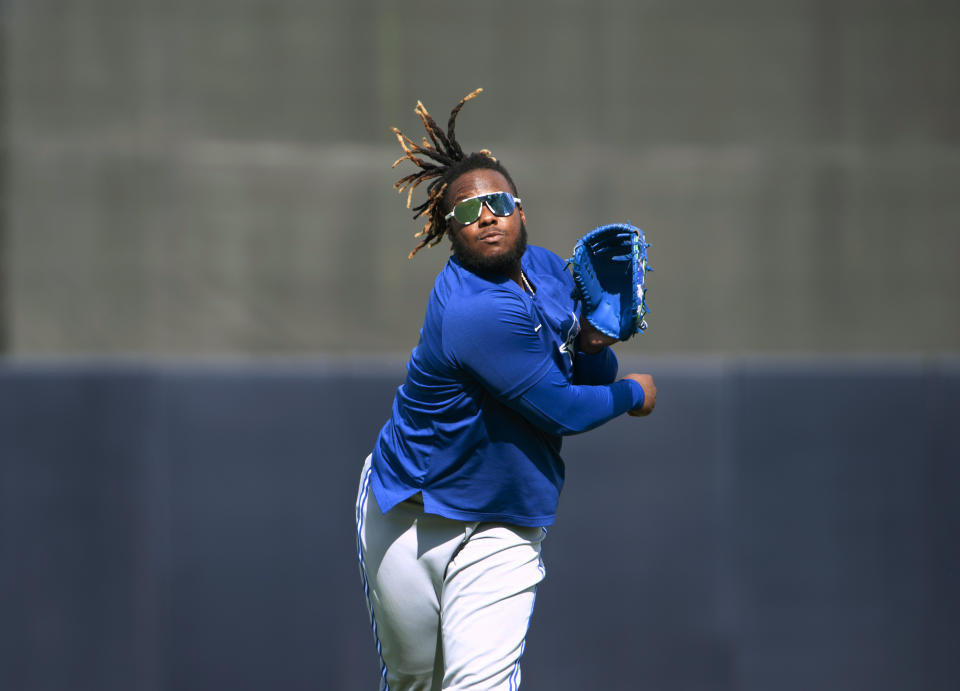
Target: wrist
(639,395)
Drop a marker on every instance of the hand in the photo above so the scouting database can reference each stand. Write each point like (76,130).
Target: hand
(592,341)
(649,394)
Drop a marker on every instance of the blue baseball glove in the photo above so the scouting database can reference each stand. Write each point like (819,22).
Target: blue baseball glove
(610,267)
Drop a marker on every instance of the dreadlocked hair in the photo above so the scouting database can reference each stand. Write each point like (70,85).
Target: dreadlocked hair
(441,160)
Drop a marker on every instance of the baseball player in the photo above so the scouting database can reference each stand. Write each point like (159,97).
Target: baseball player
(464,478)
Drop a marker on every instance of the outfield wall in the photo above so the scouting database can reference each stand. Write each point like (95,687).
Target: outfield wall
(194,177)
(775,525)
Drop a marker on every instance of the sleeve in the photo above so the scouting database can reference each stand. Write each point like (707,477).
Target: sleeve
(599,368)
(558,407)
(493,337)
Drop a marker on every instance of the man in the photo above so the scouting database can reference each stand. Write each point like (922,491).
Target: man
(465,477)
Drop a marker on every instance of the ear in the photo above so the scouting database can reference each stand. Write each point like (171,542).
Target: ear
(522,216)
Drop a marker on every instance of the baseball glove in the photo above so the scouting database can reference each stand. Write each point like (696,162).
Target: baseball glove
(610,266)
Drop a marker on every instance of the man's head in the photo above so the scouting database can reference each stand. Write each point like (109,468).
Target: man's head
(442,161)
(494,242)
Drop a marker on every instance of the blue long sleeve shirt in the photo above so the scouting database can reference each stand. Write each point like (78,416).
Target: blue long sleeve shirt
(491,388)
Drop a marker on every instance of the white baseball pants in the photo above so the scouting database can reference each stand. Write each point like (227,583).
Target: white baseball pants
(450,601)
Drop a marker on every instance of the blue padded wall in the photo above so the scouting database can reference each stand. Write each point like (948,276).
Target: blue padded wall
(779,524)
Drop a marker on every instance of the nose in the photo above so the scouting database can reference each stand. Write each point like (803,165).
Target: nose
(487,217)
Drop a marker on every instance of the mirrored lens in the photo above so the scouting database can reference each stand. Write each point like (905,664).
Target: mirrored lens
(468,211)
(501,203)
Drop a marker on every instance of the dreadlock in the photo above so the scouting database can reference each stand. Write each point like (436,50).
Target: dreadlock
(446,163)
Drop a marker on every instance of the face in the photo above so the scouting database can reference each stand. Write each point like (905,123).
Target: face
(491,244)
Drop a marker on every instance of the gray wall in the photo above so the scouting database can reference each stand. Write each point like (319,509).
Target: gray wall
(205,176)
(776,525)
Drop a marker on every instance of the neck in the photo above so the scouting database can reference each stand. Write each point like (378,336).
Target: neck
(513,273)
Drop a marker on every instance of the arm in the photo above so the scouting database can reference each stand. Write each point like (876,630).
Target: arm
(595,343)
(558,407)
(596,368)
(594,363)
(495,341)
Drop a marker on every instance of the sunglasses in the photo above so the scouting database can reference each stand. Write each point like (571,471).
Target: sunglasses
(468,210)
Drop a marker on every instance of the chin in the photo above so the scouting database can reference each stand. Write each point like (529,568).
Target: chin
(499,262)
